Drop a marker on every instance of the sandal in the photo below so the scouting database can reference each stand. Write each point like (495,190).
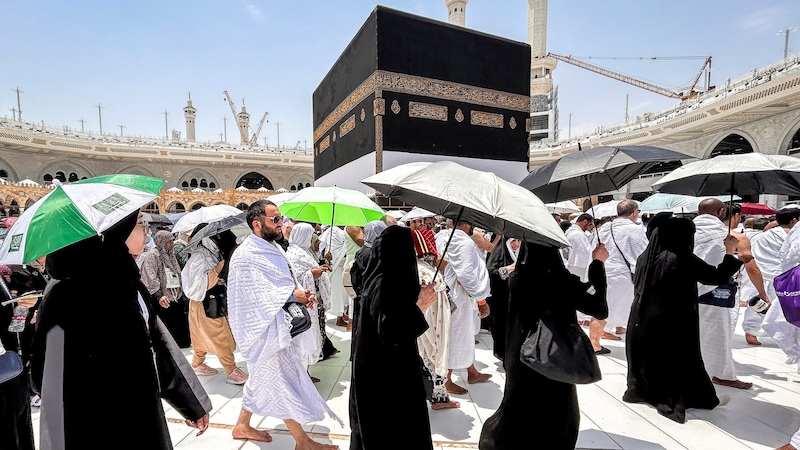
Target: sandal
(602,351)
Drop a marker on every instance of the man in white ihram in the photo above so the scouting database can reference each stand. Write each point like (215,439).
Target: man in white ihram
(468,279)
(260,282)
(625,240)
(579,254)
(333,245)
(716,332)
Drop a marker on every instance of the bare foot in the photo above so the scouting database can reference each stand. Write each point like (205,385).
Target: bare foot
(250,433)
(447,405)
(479,378)
(732,383)
(751,339)
(314,379)
(314,445)
(453,388)
(609,336)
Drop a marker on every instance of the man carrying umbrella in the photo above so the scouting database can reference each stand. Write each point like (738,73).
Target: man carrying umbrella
(468,279)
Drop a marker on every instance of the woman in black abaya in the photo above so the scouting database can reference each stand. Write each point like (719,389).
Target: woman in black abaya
(97,338)
(534,405)
(385,355)
(665,368)
(501,264)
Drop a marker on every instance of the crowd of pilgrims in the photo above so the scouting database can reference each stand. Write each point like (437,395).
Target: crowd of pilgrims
(119,308)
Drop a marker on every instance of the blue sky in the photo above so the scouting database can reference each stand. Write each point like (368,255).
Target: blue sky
(139,58)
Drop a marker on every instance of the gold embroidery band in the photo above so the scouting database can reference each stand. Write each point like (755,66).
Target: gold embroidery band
(324,144)
(486,119)
(347,126)
(427,111)
(426,87)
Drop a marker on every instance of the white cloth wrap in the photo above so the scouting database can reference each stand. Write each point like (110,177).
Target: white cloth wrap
(468,279)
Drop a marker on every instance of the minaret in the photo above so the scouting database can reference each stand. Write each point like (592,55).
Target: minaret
(542,110)
(190,114)
(243,119)
(457,12)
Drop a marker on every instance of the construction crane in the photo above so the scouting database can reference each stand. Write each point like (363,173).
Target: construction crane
(297,146)
(254,137)
(683,94)
(242,132)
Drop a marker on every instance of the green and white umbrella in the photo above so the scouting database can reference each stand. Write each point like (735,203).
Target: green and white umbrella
(74,212)
(331,206)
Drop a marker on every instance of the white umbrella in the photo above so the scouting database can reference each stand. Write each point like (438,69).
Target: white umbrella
(206,214)
(281,198)
(416,213)
(242,188)
(28,182)
(282,190)
(174,189)
(565,207)
(605,209)
(481,198)
(396,213)
(675,203)
(262,189)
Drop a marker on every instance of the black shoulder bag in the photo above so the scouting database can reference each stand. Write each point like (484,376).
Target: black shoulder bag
(611,227)
(215,302)
(561,351)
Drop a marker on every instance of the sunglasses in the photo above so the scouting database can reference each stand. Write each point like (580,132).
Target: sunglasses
(275,219)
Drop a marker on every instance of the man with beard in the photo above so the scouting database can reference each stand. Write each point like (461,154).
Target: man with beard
(260,283)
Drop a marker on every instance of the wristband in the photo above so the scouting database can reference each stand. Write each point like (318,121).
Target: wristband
(481,302)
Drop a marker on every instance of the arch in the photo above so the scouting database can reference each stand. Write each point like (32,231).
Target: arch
(185,185)
(734,143)
(254,180)
(11,174)
(212,185)
(300,186)
(196,206)
(790,144)
(151,207)
(299,178)
(65,167)
(29,202)
(176,207)
(196,173)
(135,169)
(3,173)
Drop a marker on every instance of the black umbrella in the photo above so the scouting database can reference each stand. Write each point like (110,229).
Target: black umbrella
(153,218)
(595,170)
(204,230)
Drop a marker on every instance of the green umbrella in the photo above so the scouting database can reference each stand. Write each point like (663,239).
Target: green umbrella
(74,212)
(331,206)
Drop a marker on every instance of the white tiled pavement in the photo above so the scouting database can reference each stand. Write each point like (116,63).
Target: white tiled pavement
(762,418)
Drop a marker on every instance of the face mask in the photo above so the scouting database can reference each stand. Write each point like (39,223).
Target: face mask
(149,239)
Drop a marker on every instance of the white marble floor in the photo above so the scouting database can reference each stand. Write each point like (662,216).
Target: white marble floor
(762,418)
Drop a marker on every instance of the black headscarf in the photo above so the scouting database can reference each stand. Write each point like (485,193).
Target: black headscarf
(500,256)
(391,279)
(670,235)
(655,221)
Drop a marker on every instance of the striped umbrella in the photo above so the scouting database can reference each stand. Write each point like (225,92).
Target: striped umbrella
(74,212)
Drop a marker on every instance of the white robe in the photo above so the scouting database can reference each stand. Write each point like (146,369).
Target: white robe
(715,322)
(783,250)
(631,241)
(468,279)
(334,240)
(259,284)
(434,343)
(579,254)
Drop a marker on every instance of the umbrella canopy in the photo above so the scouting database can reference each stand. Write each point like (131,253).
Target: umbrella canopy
(216,227)
(281,198)
(594,171)
(331,206)
(676,203)
(744,174)
(757,209)
(481,198)
(565,207)
(605,209)
(74,212)
(416,213)
(206,214)
(152,218)
(396,213)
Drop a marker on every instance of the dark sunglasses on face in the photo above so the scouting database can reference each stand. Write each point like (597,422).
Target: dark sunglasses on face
(275,219)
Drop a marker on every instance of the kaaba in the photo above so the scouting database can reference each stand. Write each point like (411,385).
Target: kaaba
(409,89)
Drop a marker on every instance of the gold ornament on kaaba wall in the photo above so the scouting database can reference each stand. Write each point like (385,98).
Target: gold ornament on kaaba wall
(486,119)
(395,106)
(528,124)
(348,125)
(427,111)
(324,144)
(512,123)
(379,106)
(334,136)
(427,87)
(459,115)
(363,114)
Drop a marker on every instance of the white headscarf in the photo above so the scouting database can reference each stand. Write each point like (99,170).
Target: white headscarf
(301,237)
(514,253)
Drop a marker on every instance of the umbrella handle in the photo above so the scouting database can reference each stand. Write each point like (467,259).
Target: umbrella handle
(444,252)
